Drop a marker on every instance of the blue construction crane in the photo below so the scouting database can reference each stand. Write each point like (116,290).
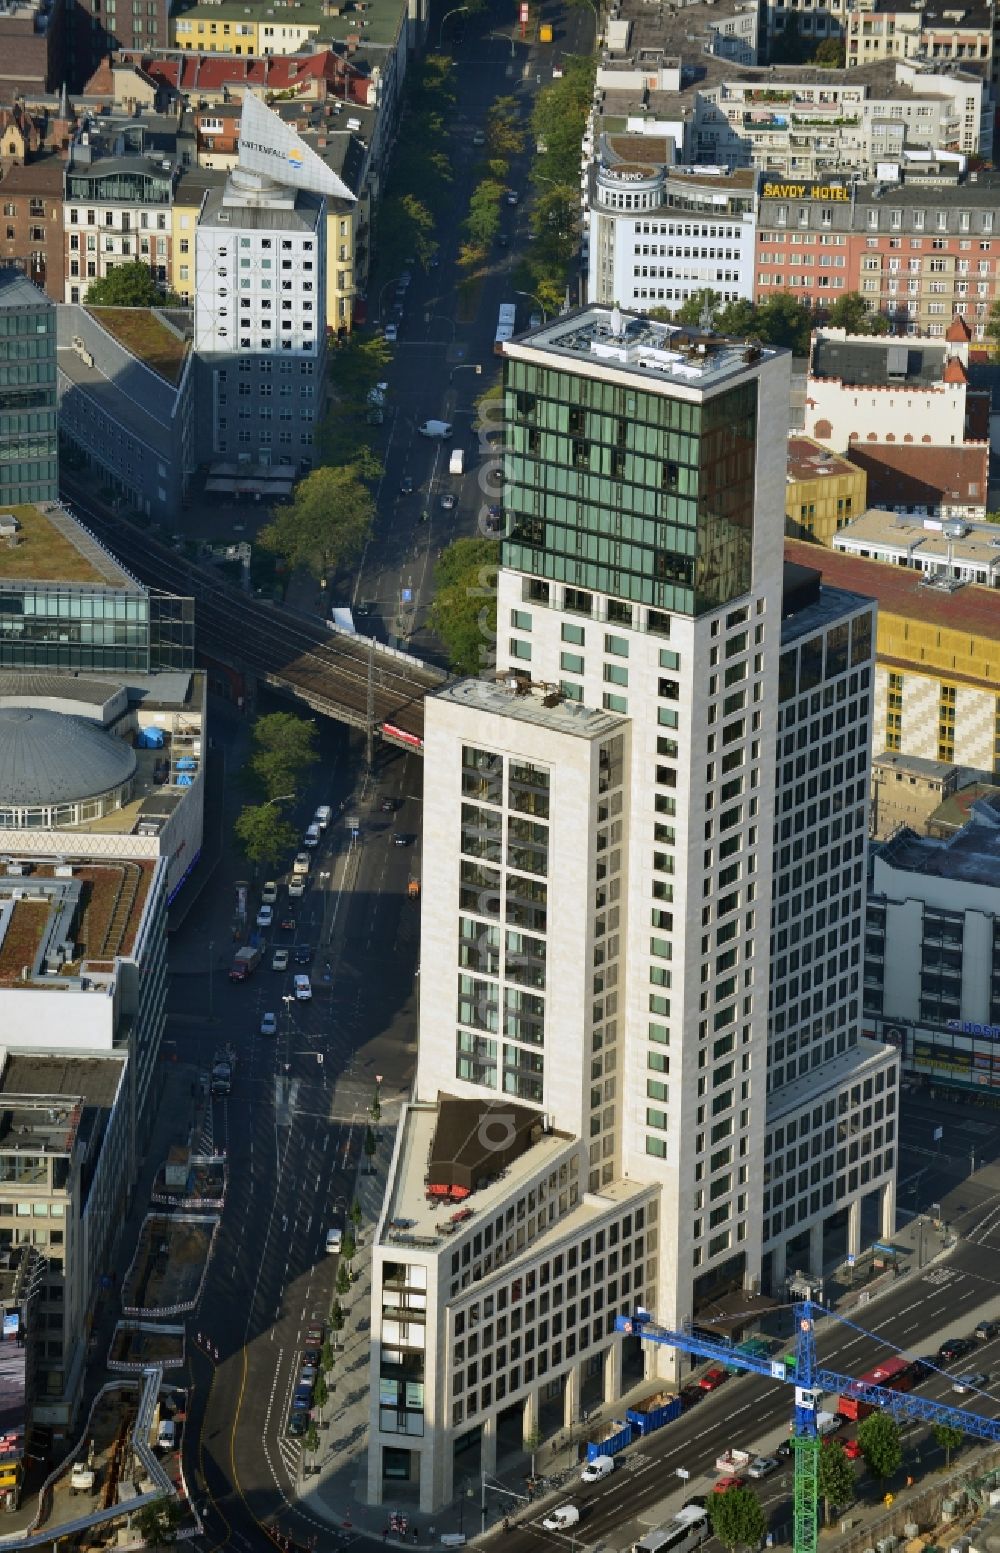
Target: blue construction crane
(810,1380)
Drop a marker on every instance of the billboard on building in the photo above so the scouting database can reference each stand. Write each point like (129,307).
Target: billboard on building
(270,146)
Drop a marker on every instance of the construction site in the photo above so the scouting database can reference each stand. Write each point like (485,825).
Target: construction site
(187,1180)
(138,1344)
(168,1269)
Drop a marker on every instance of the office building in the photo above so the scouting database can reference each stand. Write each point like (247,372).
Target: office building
(932,952)
(597,1009)
(660,234)
(82,996)
(823,493)
(908,790)
(937,645)
(944,546)
(126,402)
(29,448)
(260,295)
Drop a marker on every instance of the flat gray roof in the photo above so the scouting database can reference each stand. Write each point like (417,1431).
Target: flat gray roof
(604,338)
(833,604)
(970,856)
(877,363)
(540,705)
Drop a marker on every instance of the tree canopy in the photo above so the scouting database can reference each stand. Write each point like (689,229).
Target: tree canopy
(157,1523)
(284,747)
(326,524)
(948,1438)
(264,834)
(128,285)
(737,1518)
(464,610)
(878,1436)
(836,1477)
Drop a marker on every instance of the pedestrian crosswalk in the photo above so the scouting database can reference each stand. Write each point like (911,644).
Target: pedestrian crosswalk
(290,1452)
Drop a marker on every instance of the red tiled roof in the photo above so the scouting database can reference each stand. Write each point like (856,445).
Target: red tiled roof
(898,590)
(958,331)
(914,475)
(275,73)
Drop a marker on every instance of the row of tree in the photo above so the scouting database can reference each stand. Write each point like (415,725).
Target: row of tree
(418,189)
(283,750)
(558,121)
(784,319)
(504,141)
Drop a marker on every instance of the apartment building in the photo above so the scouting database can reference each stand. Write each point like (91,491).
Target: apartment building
(659,234)
(29,448)
(934,543)
(118,198)
(921,250)
(932,953)
(609,806)
(884,29)
(937,645)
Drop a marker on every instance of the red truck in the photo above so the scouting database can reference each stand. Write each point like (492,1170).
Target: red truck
(246,961)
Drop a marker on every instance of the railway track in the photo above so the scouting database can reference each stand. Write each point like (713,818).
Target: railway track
(328,671)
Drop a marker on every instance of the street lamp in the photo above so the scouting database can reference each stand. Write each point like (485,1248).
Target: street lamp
(465,366)
(445,18)
(531,294)
(211,964)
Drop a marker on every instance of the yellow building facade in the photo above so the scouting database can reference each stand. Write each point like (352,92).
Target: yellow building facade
(823,491)
(215,29)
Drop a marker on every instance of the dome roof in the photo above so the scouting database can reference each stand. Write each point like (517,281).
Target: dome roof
(47,757)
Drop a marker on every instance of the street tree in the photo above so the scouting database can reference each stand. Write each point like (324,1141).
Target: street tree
(483,220)
(321,1391)
(851,312)
(284,749)
(326,524)
(831,54)
(948,1438)
(310,1439)
(695,307)
(348,1248)
(128,285)
(157,1523)
(464,610)
(370,1147)
(784,320)
(737,1518)
(375,1109)
(263,833)
(343,1279)
(326,1353)
(354,1214)
(836,1477)
(337,1317)
(881,1447)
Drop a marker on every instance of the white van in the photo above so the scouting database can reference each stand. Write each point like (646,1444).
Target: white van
(323,816)
(166,1435)
(334,1241)
(301,863)
(456,464)
(600,1467)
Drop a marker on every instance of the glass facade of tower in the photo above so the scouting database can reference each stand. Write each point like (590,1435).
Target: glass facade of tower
(630,493)
(29,469)
(62,626)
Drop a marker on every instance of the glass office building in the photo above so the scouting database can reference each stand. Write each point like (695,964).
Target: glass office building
(65,626)
(29,468)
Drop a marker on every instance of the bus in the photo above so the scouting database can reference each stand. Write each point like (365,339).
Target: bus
(688,1529)
(506,323)
(894,1375)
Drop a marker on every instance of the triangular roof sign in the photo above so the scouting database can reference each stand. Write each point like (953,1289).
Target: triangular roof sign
(270,146)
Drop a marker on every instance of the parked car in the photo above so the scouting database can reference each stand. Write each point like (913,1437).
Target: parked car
(986,1331)
(926,1365)
(784,1451)
(690,1394)
(268,1024)
(279,960)
(762,1467)
(298,1424)
(265,916)
(852,1450)
(955,1348)
(714,1378)
(723,1485)
(401,839)
(600,1467)
(334,1241)
(315,1337)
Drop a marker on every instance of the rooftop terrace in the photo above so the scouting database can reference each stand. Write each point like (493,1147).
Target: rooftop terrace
(970,856)
(60,932)
(522,701)
(664,355)
(51,547)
